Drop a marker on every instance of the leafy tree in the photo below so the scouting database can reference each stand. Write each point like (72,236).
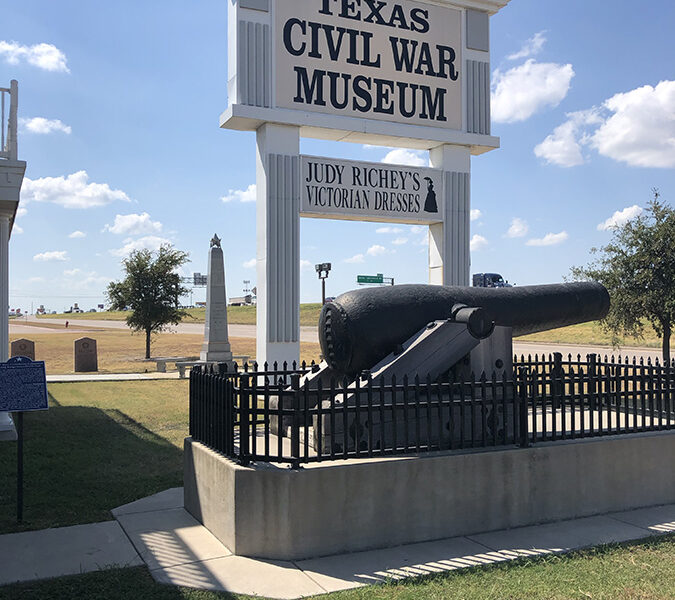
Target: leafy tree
(150,290)
(638,269)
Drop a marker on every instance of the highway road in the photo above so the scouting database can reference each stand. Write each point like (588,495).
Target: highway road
(25,327)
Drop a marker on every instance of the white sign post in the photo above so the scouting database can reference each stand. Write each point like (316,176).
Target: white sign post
(400,73)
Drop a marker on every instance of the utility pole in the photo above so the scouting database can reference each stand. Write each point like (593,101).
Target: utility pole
(322,271)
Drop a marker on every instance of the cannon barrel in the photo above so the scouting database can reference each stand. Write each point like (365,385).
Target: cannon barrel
(361,327)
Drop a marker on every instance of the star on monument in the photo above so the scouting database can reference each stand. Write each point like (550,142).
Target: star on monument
(215,242)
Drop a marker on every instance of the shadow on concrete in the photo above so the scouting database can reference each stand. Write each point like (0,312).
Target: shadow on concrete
(81,462)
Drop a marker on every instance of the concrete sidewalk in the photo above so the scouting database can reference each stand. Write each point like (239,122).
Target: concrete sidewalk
(178,550)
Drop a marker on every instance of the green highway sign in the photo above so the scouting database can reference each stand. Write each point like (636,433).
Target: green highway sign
(379,278)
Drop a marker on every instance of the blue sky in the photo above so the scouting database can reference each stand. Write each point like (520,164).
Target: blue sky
(120,104)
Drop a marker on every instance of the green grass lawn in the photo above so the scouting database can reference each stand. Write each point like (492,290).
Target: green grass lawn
(100,445)
(644,571)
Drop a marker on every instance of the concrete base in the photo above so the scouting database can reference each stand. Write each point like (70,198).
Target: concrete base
(278,513)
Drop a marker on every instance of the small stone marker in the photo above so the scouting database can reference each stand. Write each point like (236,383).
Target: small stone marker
(86,357)
(23,348)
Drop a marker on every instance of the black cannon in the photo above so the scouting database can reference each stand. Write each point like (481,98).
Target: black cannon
(428,332)
(360,328)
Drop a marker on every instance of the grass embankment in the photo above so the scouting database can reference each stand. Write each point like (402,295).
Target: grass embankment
(644,571)
(586,334)
(120,351)
(592,334)
(100,445)
(237,315)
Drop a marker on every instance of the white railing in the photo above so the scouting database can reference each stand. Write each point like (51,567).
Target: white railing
(9,101)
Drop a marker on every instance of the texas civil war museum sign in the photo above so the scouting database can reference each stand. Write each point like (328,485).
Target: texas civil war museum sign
(407,74)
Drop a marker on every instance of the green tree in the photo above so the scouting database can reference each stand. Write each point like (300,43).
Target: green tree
(638,269)
(150,290)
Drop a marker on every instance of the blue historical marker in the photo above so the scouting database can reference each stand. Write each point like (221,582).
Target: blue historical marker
(23,385)
(23,388)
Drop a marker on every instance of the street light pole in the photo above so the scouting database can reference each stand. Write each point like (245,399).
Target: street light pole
(322,271)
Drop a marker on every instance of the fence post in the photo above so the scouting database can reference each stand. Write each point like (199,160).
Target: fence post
(244,421)
(295,422)
(523,409)
(557,379)
(593,391)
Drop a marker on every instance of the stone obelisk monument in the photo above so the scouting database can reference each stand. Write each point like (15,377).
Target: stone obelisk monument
(216,347)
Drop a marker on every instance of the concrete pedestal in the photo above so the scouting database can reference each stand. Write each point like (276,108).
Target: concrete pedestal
(330,508)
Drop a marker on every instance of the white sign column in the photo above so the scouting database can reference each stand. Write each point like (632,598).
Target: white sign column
(12,171)
(449,241)
(278,244)
(4,288)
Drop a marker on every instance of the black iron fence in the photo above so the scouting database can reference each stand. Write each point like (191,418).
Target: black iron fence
(276,416)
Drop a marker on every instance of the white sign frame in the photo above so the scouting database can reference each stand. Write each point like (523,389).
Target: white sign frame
(253,45)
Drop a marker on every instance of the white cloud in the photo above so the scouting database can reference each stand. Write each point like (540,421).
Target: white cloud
(78,280)
(149,242)
(419,229)
(635,127)
(389,230)
(43,56)
(561,147)
(16,229)
(564,146)
(305,264)
(247,195)
(402,156)
(399,241)
(476,214)
(54,255)
(518,228)
(72,191)
(134,224)
(620,218)
(249,264)
(76,235)
(522,91)
(376,250)
(478,242)
(44,126)
(641,129)
(550,239)
(356,259)
(21,212)
(531,47)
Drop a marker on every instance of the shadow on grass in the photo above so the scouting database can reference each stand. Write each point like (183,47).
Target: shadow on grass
(120,584)
(81,462)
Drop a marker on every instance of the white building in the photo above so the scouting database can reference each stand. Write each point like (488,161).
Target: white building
(11,177)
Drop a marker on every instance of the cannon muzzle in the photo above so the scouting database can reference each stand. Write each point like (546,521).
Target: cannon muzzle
(361,327)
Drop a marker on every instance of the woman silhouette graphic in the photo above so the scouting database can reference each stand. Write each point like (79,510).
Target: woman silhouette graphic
(430,203)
